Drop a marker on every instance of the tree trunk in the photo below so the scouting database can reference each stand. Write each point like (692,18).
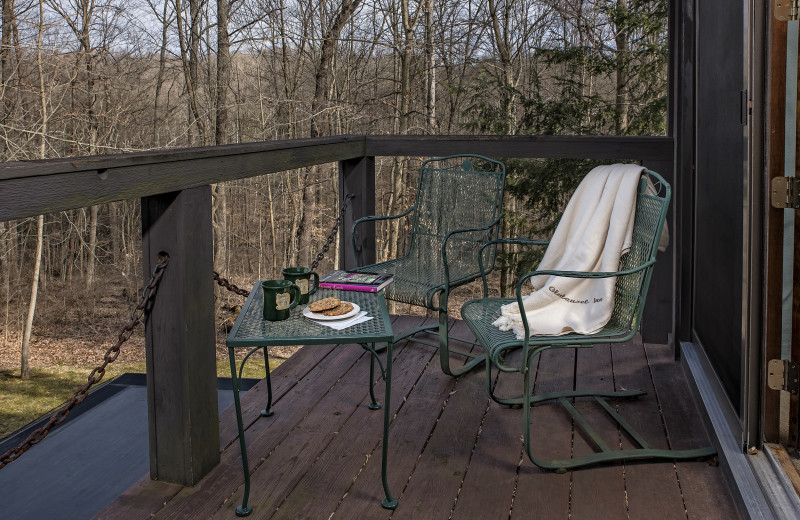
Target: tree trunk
(223,132)
(330,38)
(430,70)
(162,65)
(6,69)
(190,55)
(92,253)
(272,228)
(621,97)
(25,368)
(5,269)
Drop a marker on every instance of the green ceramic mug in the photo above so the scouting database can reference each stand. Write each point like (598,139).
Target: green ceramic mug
(300,277)
(280,297)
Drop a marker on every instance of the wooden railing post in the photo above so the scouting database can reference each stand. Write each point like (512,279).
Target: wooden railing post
(658,320)
(357,176)
(181,362)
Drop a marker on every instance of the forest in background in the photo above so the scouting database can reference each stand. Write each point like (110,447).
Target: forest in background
(88,77)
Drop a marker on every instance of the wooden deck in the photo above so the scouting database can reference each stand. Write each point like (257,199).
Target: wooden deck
(453,453)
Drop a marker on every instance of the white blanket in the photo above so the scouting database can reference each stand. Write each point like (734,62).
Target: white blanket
(594,232)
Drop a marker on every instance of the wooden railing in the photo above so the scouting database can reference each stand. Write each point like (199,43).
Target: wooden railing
(176,218)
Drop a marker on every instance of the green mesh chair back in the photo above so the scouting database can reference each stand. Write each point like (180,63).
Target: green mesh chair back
(453,194)
(631,289)
(631,285)
(456,212)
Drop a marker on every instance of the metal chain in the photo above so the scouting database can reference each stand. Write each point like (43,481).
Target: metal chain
(223,282)
(334,231)
(97,374)
(230,286)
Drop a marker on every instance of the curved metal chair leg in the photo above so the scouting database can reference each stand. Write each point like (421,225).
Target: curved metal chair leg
(444,347)
(603,452)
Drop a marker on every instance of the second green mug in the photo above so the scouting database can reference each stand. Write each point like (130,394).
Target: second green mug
(300,277)
(280,297)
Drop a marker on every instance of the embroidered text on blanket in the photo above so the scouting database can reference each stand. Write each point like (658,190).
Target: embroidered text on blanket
(569,300)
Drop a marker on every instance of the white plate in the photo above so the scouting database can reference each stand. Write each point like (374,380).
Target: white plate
(321,317)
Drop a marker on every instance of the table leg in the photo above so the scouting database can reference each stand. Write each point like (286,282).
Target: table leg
(244,509)
(373,356)
(389,502)
(266,412)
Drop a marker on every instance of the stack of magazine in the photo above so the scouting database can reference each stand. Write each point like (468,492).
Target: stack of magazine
(353,281)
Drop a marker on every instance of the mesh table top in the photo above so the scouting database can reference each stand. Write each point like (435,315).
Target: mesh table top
(251,329)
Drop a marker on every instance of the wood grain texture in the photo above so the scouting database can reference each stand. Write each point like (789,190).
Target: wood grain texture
(25,191)
(319,455)
(262,436)
(698,479)
(659,309)
(359,438)
(603,485)
(179,337)
(140,500)
(540,146)
(774,147)
(19,169)
(651,486)
(539,490)
(357,176)
(36,187)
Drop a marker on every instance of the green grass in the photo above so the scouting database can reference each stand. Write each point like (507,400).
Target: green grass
(48,388)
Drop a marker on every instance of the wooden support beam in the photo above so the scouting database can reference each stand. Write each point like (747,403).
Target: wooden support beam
(357,176)
(658,319)
(683,128)
(41,187)
(181,361)
(524,146)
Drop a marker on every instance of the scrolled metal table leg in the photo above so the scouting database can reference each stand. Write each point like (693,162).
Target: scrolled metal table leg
(389,502)
(244,509)
(266,412)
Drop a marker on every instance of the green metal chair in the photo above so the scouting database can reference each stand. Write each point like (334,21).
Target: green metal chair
(457,210)
(633,278)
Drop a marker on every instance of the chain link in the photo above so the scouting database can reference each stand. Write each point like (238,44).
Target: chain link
(334,231)
(127,330)
(223,282)
(97,374)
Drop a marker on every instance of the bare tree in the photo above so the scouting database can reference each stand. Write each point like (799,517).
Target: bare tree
(25,369)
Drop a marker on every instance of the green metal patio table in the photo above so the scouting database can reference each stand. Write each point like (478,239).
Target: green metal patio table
(251,331)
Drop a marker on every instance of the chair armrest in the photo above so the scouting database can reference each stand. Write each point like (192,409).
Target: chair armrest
(373,218)
(583,274)
(569,274)
(447,237)
(519,241)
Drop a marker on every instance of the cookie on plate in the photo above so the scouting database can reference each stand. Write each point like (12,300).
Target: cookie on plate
(324,304)
(342,308)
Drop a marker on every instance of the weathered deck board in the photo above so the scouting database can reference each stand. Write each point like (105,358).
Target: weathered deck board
(595,371)
(418,417)
(495,460)
(358,438)
(452,451)
(551,437)
(685,430)
(651,486)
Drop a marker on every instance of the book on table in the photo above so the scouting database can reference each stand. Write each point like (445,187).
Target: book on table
(354,281)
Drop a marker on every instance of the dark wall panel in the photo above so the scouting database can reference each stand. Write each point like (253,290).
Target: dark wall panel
(720,156)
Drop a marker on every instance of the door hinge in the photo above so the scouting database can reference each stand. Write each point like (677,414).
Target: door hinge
(785,192)
(782,374)
(786,10)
